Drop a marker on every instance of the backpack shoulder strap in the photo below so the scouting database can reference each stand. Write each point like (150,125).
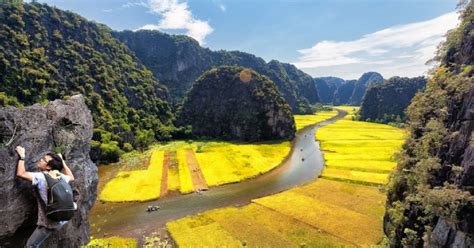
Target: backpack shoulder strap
(50,180)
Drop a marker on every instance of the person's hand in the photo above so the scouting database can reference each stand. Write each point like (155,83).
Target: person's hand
(61,156)
(20,150)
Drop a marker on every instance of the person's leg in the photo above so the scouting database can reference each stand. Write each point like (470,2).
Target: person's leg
(39,235)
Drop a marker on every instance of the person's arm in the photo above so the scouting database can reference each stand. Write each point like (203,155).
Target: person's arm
(67,171)
(20,170)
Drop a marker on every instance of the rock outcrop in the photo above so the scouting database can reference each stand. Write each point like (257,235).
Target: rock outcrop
(236,103)
(62,126)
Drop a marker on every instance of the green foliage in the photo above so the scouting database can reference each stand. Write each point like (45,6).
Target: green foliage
(50,54)
(426,185)
(6,100)
(144,138)
(110,152)
(249,107)
(127,147)
(447,201)
(380,105)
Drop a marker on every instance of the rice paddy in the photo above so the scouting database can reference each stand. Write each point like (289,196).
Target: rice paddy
(112,242)
(359,152)
(219,162)
(343,208)
(136,185)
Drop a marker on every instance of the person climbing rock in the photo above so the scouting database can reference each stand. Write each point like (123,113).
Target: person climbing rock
(52,213)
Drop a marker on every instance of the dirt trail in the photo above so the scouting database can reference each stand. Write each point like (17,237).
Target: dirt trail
(164,177)
(197,177)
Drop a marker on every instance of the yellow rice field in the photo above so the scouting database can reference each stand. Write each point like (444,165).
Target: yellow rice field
(343,208)
(137,185)
(323,213)
(112,242)
(357,151)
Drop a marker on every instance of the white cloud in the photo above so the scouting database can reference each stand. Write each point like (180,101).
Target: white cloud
(400,50)
(133,4)
(222,7)
(177,16)
(107,10)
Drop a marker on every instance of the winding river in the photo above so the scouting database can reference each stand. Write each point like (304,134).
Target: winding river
(303,164)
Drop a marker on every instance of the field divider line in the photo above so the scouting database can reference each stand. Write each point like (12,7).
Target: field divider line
(199,182)
(306,223)
(377,171)
(164,175)
(373,184)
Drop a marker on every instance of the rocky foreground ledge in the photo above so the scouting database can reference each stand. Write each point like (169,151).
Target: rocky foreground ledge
(62,125)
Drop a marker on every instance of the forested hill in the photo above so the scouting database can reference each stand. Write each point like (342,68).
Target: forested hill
(47,53)
(387,102)
(367,79)
(249,106)
(431,194)
(177,61)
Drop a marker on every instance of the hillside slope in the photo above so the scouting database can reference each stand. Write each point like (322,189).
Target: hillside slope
(431,194)
(178,60)
(48,53)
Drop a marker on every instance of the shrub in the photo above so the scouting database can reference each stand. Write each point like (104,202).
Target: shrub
(110,152)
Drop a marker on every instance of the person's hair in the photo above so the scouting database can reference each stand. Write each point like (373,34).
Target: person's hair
(56,163)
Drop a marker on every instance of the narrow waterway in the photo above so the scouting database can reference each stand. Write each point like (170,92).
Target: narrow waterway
(304,163)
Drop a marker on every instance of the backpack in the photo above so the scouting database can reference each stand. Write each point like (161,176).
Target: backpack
(60,205)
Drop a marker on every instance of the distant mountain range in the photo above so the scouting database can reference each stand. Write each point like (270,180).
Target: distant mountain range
(178,60)
(337,91)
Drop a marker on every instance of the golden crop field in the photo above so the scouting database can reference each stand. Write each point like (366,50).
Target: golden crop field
(220,163)
(137,185)
(324,213)
(112,242)
(357,151)
(302,121)
(343,208)
(224,162)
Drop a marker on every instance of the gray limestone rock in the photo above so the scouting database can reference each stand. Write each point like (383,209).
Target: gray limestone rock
(63,126)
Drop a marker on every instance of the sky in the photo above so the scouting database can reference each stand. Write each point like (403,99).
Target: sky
(342,38)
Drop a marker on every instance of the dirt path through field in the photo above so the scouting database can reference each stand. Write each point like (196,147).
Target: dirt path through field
(199,182)
(164,176)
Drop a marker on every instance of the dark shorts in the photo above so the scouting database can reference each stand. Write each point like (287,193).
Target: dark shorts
(39,235)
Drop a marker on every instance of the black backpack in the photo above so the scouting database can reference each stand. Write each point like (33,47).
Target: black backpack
(60,205)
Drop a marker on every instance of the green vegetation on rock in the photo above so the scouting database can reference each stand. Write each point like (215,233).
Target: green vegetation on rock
(239,104)
(387,102)
(430,195)
(49,53)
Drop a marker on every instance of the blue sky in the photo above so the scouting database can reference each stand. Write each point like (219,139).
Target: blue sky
(321,37)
